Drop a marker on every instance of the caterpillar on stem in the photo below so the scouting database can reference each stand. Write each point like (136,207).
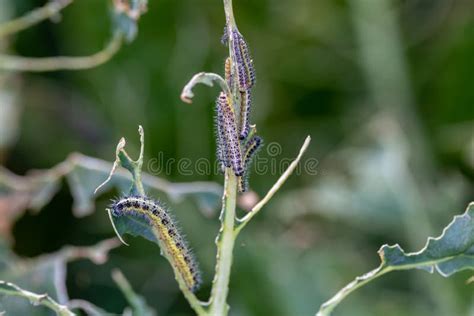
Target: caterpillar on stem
(245,106)
(245,70)
(176,247)
(250,150)
(229,151)
(222,152)
(228,71)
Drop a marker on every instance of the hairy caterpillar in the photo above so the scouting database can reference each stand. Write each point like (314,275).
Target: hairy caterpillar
(175,245)
(228,141)
(245,106)
(225,36)
(228,71)
(251,149)
(245,71)
(222,153)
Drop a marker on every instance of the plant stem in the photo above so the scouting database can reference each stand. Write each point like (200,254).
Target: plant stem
(225,246)
(193,301)
(33,17)
(328,306)
(137,170)
(43,64)
(226,237)
(35,299)
(229,13)
(274,188)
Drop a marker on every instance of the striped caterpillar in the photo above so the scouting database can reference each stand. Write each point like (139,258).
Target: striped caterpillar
(228,145)
(244,64)
(250,150)
(173,242)
(245,106)
(228,71)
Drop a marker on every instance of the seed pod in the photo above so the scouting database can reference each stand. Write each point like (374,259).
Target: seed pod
(243,62)
(251,149)
(175,246)
(245,106)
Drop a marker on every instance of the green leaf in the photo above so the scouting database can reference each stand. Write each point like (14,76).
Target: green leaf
(451,252)
(206,78)
(134,226)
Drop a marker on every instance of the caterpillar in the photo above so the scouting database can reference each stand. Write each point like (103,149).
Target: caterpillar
(222,153)
(245,71)
(228,72)
(228,139)
(225,36)
(176,247)
(251,148)
(245,106)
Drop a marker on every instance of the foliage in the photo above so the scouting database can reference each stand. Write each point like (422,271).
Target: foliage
(383,87)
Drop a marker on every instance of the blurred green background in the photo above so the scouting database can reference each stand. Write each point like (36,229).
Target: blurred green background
(384,88)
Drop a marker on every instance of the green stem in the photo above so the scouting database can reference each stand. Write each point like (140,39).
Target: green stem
(225,246)
(274,189)
(33,17)
(226,239)
(328,306)
(137,170)
(11,289)
(229,13)
(193,301)
(43,64)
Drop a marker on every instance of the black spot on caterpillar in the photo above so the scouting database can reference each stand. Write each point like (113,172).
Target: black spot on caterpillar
(244,64)
(176,247)
(251,149)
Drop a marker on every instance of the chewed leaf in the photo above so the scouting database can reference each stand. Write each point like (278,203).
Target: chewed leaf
(206,78)
(45,274)
(84,174)
(449,253)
